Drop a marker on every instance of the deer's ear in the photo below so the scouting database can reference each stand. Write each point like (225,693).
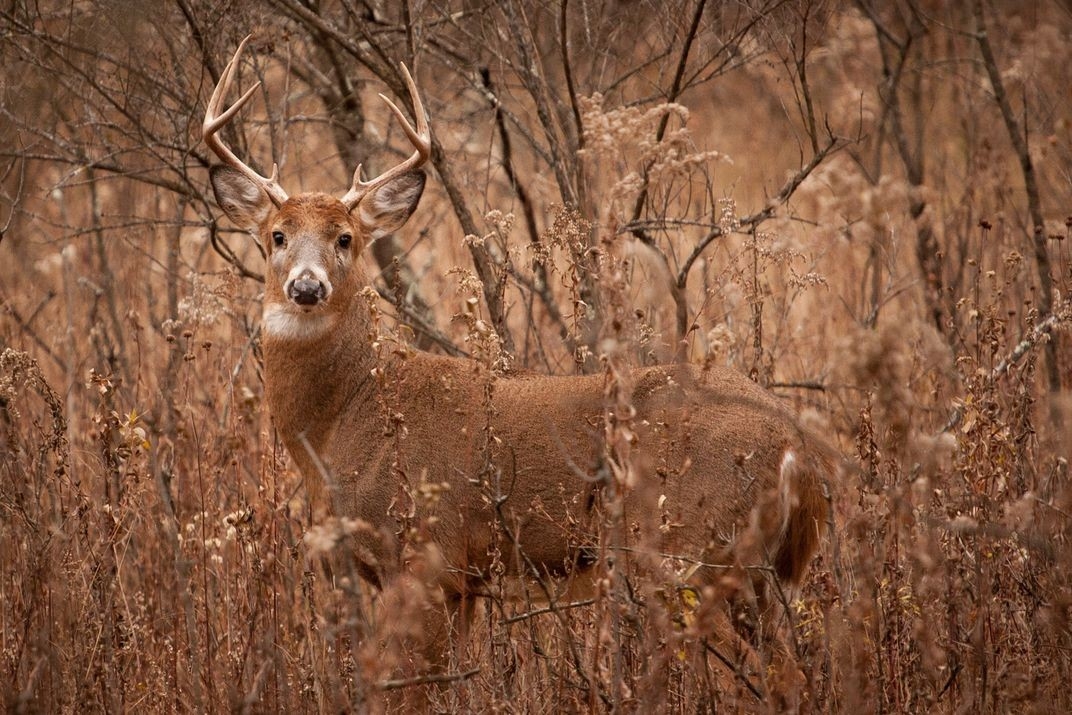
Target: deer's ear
(387,208)
(244,202)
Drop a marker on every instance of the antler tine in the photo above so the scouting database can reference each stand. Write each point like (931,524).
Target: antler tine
(214,121)
(420,137)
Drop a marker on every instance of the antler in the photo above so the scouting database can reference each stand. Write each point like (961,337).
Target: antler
(420,138)
(214,121)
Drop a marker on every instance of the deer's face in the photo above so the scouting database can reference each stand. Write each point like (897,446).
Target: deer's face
(313,239)
(314,244)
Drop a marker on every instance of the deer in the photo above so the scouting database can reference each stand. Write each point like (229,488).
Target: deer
(725,472)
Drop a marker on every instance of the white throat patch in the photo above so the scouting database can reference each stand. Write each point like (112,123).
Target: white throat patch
(287,323)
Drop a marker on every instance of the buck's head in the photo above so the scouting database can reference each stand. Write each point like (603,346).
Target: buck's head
(313,240)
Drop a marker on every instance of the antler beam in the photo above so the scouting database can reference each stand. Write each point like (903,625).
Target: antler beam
(420,137)
(215,120)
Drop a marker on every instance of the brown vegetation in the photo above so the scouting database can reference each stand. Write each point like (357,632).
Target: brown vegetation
(864,208)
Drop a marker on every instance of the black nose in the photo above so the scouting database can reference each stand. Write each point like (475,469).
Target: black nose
(306,291)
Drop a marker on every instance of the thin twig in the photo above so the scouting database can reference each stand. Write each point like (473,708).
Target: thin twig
(817,385)
(675,91)
(733,668)
(751,221)
(21,161)
(532,76)
(952,676)
(427,679)
(418,322)
(548,609)
(1037,333)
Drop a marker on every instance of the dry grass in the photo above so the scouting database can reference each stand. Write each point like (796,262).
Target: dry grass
(157,549)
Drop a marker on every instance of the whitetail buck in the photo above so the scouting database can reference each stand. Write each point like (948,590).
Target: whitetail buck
(726,478)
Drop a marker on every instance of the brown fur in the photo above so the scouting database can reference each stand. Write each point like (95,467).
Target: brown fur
(435,456)
(710,445)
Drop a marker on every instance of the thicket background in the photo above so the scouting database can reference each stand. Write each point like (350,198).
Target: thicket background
(865,206)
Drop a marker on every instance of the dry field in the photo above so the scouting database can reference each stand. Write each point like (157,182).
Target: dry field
(866,207)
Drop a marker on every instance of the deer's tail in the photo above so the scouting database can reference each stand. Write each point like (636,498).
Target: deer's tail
(804,510)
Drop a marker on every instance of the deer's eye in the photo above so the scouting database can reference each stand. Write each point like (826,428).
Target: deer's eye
(278,239)
(345,240)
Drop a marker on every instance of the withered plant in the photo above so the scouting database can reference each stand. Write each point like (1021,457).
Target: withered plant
(866,207)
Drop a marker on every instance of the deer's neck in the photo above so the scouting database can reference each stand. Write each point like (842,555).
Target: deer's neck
(312,384)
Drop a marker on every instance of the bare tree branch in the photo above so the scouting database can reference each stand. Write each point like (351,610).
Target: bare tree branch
(1018,136)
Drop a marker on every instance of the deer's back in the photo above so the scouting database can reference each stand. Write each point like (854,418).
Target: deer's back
(527,452)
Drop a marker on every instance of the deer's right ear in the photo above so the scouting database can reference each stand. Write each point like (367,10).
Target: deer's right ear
(242,200)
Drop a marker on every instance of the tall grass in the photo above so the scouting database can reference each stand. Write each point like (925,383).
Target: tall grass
(159,552)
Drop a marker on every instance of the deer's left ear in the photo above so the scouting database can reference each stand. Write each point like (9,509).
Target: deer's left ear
(386,209)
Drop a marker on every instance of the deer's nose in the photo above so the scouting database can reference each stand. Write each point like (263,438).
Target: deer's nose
(307,291)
